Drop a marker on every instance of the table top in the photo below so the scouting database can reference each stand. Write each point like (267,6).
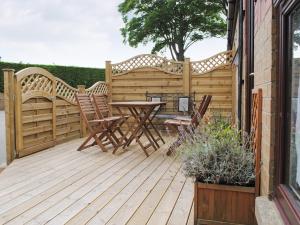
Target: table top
(137,103)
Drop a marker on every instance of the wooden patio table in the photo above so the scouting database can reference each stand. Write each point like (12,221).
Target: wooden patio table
(143,114)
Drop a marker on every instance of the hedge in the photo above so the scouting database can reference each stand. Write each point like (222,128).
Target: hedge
(70,74)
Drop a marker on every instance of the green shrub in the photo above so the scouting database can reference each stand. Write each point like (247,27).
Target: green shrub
(219,154)
(71,75)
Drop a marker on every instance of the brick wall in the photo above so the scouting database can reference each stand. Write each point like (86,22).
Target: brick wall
(264,69)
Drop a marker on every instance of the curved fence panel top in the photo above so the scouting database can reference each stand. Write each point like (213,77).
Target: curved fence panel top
(65,91)
(34,81)
(215,62)
(147,61)
(98,88)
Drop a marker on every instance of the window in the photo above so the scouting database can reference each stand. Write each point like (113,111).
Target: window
(287,190)
(293,105)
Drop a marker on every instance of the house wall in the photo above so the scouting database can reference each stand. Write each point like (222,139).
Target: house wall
(265,71)
(265,64)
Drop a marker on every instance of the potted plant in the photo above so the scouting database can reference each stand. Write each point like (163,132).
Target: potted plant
(221,160)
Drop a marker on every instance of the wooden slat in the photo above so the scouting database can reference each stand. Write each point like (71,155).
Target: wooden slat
(36,118)
(35,130)
(162,212)
(36,106)
(136,200)
(35,148)
(134,192)
(154,83)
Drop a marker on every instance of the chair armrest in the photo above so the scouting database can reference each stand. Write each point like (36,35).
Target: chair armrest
(96,121)
(183,118)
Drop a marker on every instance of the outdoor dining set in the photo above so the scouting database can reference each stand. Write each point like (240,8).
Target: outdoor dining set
(107,129)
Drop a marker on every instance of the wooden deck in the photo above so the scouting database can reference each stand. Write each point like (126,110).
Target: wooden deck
(64,186)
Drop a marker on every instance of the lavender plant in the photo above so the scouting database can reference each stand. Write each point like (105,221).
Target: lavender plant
(218,153)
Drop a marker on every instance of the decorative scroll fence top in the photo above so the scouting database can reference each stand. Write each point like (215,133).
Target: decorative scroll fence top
(217,61)
(169,66)
(37,81)
(147,61)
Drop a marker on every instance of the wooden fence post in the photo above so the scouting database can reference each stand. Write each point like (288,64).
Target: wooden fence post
(54,110)
(9,106)
(108,79)
(81,90)
(187,78)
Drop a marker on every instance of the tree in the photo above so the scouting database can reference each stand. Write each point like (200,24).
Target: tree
(172,24)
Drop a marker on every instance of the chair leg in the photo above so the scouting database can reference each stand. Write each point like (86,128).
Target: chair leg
(84,143)
(173,147)
(99,143)
(122,134)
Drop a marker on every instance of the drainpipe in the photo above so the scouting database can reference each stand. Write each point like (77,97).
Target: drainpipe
(240,66)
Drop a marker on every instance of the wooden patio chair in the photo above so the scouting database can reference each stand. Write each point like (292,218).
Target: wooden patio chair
(188,124)
(103,111)
(94,124)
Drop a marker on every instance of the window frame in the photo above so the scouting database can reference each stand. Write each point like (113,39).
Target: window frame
(284,199)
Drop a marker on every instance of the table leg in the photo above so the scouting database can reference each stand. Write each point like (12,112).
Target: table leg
(155,129)
(140,119)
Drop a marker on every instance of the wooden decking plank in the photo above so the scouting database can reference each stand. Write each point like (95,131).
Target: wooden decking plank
(42,172)
(167,171)
(137,186)
(23,212)
(103,215)
(144,212)
(93,207)
(41,179)
(76,205)
(56,204)
(60,176)
(17,176)
(50,153)
(163,210)
(191,216)
(80,188)
(183,205)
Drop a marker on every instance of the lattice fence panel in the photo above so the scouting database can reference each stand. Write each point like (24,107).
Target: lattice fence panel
(144,61)
(98,88)
(36,82)
(65,91)
(204,66)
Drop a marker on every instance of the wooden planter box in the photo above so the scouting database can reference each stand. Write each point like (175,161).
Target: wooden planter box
(223,204)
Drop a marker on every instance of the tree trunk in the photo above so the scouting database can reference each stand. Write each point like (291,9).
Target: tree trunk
(180,56)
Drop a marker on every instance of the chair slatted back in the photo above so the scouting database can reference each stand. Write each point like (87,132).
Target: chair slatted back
(86,107)
(256,130)
(102,108)
(201,110)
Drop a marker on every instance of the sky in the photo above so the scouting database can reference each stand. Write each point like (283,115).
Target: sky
(75,33)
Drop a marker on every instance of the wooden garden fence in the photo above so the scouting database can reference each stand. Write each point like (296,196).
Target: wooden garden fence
(131,79)
(41,110)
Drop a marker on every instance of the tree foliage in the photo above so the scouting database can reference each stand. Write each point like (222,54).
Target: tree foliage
(172,24)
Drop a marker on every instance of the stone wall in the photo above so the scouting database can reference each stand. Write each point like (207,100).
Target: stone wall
(265,71)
